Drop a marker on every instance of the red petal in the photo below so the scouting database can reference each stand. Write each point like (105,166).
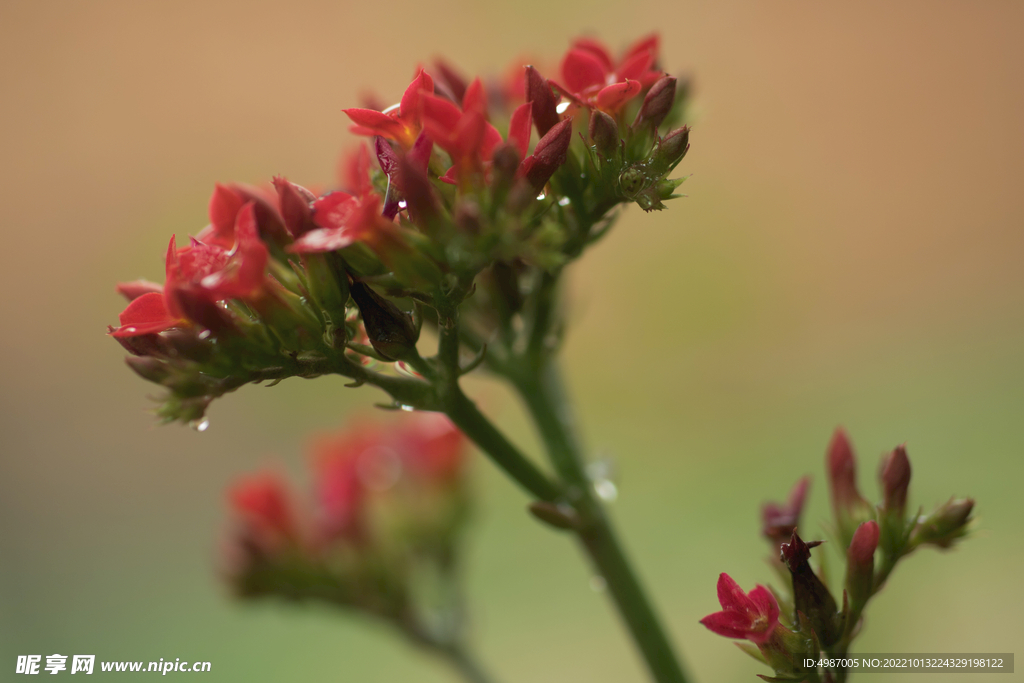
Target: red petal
(519,128)
(145,315)
(252,253)
(597,49)
(333,210)
(379,123)
(634,67)
(728,624)
(764,602)
(491,139)
(645,44)
(410,105)
(224,206)
(730,595)
(612,98)
(443,115)
(451,176)
(136,288)
(581,70)
(324,239)
(475,99)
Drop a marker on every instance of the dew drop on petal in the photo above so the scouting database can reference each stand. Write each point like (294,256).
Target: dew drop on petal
(562,107)
(541,196)
(406,408)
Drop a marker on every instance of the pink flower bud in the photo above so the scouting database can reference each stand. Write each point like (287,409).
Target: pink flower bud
(549,154)
(860,563)
(545,113)
(850,507)
(657,104)
(604,132)
(895,476)
(778,520)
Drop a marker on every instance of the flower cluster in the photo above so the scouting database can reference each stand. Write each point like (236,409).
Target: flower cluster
(874,538)
(379,535)
(449,194)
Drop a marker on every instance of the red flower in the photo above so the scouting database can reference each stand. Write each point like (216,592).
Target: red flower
(431,447)
(592,79)
(200,274)
(262,503)
(400,122)
(753,616)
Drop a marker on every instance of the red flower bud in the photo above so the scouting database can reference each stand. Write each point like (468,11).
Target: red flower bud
(850,508)
(657,104)
(136,288)
(545,112)
(549,154)
(860,564)
(296,211)
(604,132)
(895,476)
(779,521)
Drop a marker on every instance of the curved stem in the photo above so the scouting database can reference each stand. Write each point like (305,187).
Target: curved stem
(463,661)
(544,397)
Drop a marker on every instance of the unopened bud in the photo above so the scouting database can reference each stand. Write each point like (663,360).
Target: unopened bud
(810,595)
(860,563)
(944,526)
(895,476)
(657,104)
(545,112)
(149,368)
(549,154)
(392,332)
(669,151)
(849,506)
(296,208)
(467,217)
(604,132)
(136,288)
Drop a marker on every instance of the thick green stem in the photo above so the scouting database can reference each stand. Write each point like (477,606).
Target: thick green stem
(542,392)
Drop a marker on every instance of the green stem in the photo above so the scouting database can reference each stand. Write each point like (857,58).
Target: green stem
(463,661)
(544,397)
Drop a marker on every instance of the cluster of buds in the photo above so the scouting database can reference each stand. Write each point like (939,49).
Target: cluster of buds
(380,534)
(449,194)
(788,628)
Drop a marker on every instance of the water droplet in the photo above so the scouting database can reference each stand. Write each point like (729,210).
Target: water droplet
(561,108)
(541,196)
(564,201)
(393,107)
(200,425)
(606,490)
(129,329)
(406,408)
(205,334)
(598,584)
(402,204)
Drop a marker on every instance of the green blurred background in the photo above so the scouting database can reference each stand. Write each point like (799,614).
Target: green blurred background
(850,253)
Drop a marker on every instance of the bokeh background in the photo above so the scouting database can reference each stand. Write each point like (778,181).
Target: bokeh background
(850,253)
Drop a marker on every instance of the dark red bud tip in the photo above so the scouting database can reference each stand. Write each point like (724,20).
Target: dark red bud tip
(657,104)
(865,540)
(545,112)
(549,154)
(797,553)
(842,471)
(603,131)
(295,204)
(895,478)
(452,79)
(671,149)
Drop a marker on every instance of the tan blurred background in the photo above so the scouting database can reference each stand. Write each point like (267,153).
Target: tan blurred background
(850,253)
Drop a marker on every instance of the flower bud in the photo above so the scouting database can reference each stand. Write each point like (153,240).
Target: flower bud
(895,476)
(860,564)
(136,288)
(549,154)
(810,595)
(850,508)
(778,522)
(604,132)
(149,368)
(657,104)
(545,112)
(944,526)
(391,331)
(296,208)
(669,151)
